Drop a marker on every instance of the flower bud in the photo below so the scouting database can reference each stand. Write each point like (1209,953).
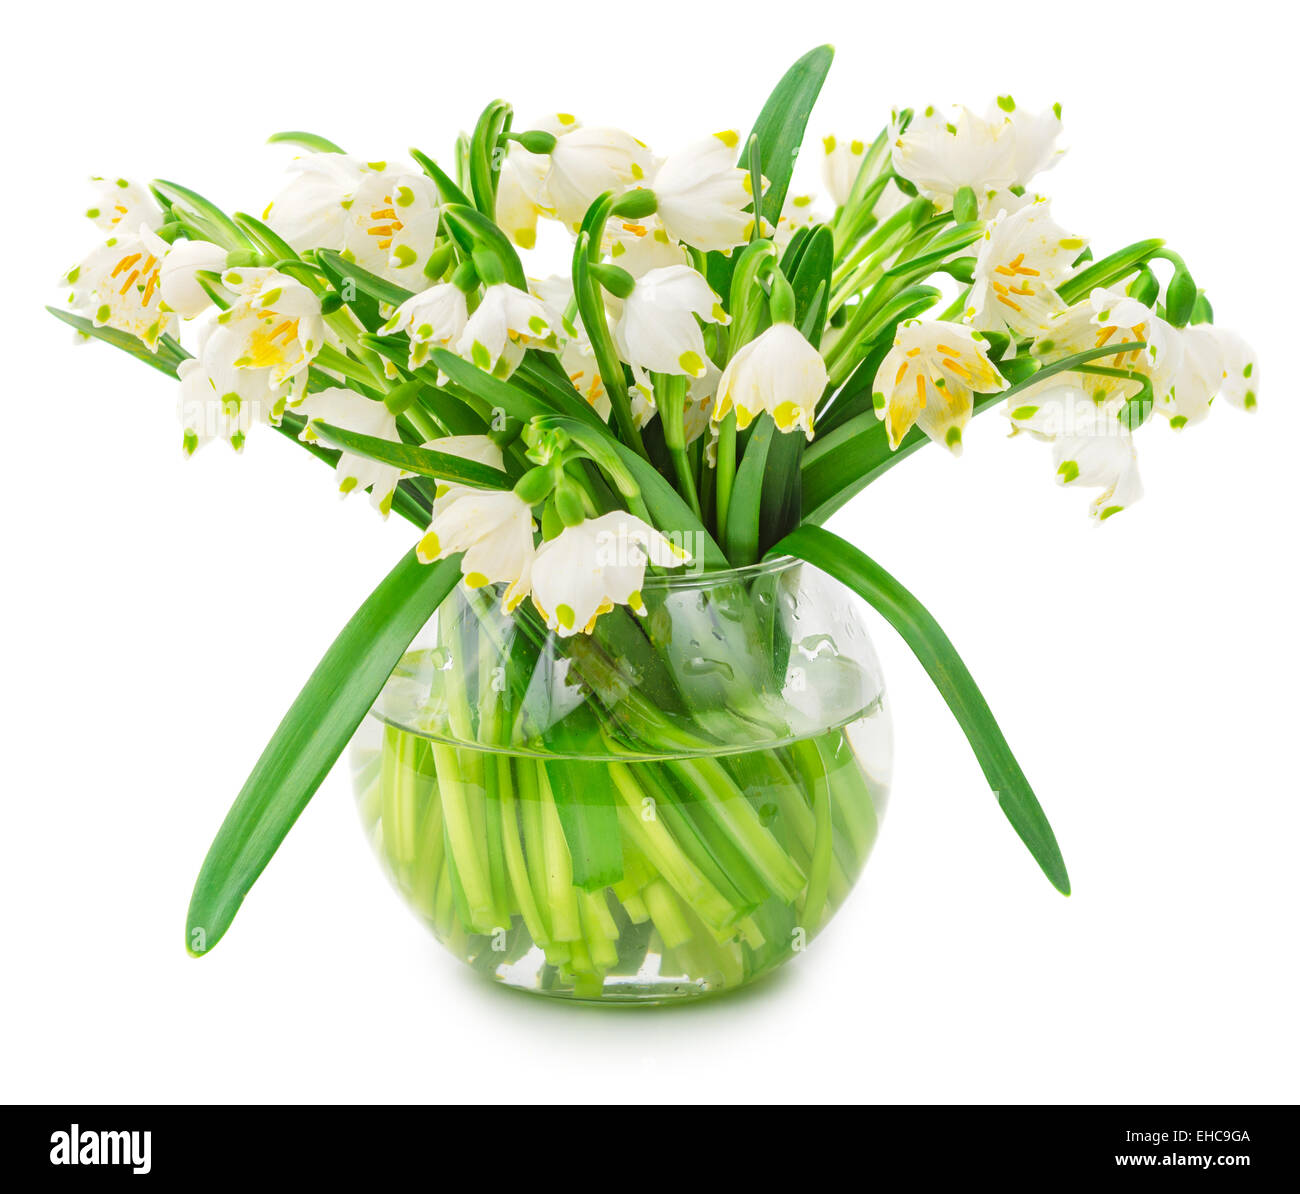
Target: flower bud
(614,279)
(965,207)
(635,204)
(438,261)
(568,503)
(1144,288)
(1180,297)
(1202,312)
(536,484)
(535,141)
(330,302)
(400,397)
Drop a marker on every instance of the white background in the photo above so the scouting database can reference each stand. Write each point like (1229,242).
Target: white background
(160,614)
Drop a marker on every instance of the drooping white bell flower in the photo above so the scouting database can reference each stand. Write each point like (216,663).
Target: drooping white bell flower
(941,152)
(780,373)
(123,206)
(1111,318)
(494,528)
(1023,257)
(1091,446)
(506,322)
(841,163)
(1240,370)
(521,183)
(391,225)
(639,246)
(352,412)
(311,212)
(259,351)
(929,377)
(180,262)
(588,569)
(589,161)
(657,330)
(702,194)
(1213,362)
(434,318)
(119,286)
(206,413)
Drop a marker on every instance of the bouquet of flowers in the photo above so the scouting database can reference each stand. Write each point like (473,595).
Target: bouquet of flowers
(629,749)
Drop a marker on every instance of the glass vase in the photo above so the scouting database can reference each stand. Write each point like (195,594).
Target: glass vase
(665,808)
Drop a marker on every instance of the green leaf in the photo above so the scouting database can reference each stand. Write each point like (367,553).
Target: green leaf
(483,148)
(927,640)
(310,738)
(780,125)
(165,360)
(499,395)
(668,511)
(1107,270)
(312,141)
(449,191)
(423,461)
(378,288)
(201,215)
(811,282)
(265,237)
(741,536)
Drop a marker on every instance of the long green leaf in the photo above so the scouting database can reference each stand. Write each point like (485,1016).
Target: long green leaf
(780,125)
(165,360)
(310,738)
(373,285)
(927,640)
(517,403)
(667,509)
(741,535)
(201,214)
(449,191)
(423,461)
(472,229)
(312,141)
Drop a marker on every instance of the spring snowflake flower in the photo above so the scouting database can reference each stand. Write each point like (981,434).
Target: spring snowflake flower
(702,194)
(311,212)
(657,330)
(639,246)
(179,263)
(119,286)
(434,318)
(521,183)
(588,569)
(780,373)
(797,212)
(841,162)
(1111,318)
(941,151)
(1212,362)
(352,412)
(1023,258)
(206,413)
(506,322)
(391,225)
(589,161)
(123,206)
(1091,447)
(929,378)
(493,528)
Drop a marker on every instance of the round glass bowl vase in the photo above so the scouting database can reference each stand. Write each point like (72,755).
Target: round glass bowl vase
(665,808)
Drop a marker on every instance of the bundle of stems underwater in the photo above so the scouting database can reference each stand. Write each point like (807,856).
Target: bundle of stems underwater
(718,371)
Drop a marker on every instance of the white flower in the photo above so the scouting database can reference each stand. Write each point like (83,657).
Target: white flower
(841,163)
(780,373)
(434,318)
(702,194)
(206,413)
(123,206)
(1091,446)
(506,322)
(588,569)
(1023,258)
(639,246)
(941,152)
(929,377)
(1113,319)
(311,212)
(1240,370)
(1212,362)
(797,212)
(391,225)
(494,529)
(259,351)
(587,162)
(119,286)
(657,330)
(179,263)
(352,412)
(521,184)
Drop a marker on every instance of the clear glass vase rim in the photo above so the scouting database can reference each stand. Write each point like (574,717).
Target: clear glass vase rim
(691,578)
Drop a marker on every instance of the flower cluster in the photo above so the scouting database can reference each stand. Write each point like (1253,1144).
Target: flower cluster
(707,307)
